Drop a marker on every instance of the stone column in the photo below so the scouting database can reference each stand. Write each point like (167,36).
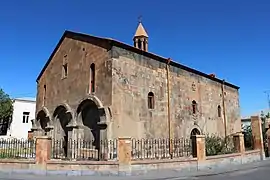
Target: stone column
(104,143)
(75,136)
(37,131)
(43,150)
(256,126)
(124,154)
(200,147)
(142,43)
(136,43)
(49,131)
(146,44)
(239,145)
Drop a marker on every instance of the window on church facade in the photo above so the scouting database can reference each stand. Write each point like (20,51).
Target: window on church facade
(194,107)
(65,70)
(92,78)
(44,94)
(151,100)
(219,111)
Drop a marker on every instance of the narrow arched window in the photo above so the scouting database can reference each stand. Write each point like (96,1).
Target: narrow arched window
(44,94)
(151,100)
(219,111)
(139,44)
(194,107)
(92,78)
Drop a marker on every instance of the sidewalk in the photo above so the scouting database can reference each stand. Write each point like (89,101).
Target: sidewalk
(169,174)
(172,174)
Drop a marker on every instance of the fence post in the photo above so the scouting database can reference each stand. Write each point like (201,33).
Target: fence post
(124,154)
(43,150)
(257,136)
(200,148)
(239,145)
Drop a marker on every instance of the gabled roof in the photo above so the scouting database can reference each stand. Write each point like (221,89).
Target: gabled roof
(112,42)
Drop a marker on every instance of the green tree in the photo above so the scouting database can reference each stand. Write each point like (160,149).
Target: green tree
(248,139)
(6,106)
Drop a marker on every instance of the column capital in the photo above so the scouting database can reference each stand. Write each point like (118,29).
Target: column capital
(74,124)
(36,129)
(238,134)
(49,127)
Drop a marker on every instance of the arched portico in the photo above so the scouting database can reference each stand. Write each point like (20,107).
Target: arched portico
(42,119)
(89,118)
(193,133)
(95,99)
(61,118)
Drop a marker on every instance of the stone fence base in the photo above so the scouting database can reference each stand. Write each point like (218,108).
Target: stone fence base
(84,168)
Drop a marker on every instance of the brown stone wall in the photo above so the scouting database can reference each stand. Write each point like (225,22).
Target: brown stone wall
(134,76)
(74,88)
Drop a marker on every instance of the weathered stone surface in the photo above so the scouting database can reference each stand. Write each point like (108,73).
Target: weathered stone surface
(71,90)
(43,150)
(256,125)
(134,76)
(82,168)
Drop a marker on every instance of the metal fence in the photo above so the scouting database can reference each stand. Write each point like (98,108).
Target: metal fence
(17,148)
(84,150)
(160,148)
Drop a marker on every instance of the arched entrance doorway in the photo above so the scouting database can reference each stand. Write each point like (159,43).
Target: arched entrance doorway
(42,120)
(88,115)
(61,119)
(193,134)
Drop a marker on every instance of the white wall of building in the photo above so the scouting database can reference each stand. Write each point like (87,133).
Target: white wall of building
(246,122)
(23,112)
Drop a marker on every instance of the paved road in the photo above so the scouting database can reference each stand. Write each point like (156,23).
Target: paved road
(255,171)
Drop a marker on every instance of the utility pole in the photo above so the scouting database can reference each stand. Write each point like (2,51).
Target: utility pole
(267,92)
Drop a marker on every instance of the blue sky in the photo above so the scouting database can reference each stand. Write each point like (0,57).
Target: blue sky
(229,38)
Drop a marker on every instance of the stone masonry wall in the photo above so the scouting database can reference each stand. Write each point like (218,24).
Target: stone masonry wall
(134,76)
(71,90)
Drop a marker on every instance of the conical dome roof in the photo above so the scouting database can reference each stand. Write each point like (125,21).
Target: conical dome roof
(140,31)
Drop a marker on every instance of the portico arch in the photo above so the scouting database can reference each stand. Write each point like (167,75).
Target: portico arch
(67,107)
(61,117)
(193,134)
(42,119)
(93,98)
(89,117)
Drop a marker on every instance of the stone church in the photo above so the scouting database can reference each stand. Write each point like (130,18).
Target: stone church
(100,88)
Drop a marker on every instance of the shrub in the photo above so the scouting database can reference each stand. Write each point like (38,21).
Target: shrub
(216,145)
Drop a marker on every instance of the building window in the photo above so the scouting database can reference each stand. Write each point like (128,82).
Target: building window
(92,78)
(219,111)
(44,95)
(26,117)
(65,70)
(194,107)
(151,100)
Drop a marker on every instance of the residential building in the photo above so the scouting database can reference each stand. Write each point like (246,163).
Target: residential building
(23,112)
